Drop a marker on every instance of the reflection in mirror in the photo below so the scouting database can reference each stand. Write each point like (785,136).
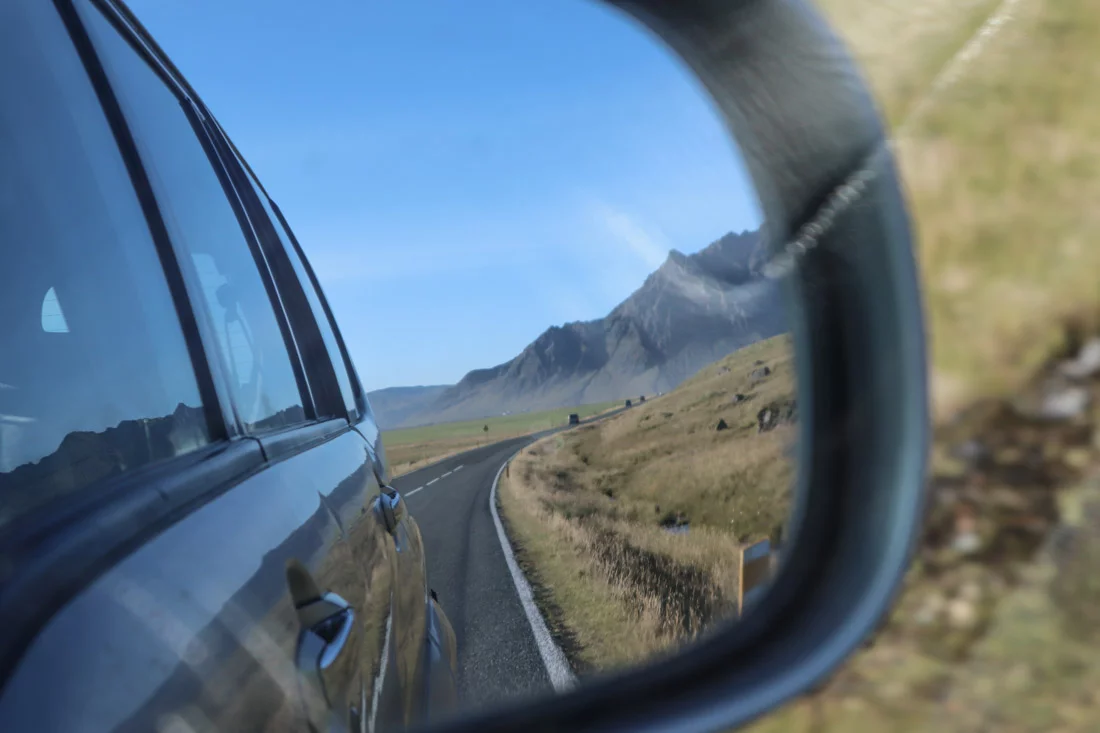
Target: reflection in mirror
(547,262)
(588,395)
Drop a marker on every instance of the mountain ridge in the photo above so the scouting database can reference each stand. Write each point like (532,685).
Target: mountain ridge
(689,312)
(392,406)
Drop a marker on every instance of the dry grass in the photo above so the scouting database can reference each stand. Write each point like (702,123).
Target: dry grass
(589,510)
(414,456)
(903,46)
(1002,167)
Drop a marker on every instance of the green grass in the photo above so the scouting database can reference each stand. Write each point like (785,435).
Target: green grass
(588,510)
(410,448)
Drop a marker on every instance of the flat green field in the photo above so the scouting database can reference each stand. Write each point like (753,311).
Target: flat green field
(411,448)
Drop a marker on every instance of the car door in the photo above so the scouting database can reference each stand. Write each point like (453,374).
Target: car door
(186,534)
(406,701)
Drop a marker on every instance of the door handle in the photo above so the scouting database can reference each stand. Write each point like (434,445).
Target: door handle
(325,621)
(326,625)
(333,632)
(392,508)
(319,647)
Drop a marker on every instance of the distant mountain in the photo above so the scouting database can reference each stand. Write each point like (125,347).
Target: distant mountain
(690,312)
(393,406)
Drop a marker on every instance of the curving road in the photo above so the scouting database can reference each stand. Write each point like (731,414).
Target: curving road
(497,654)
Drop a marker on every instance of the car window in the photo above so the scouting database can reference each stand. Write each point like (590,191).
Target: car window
(95,375)
(208,235)
(324,323)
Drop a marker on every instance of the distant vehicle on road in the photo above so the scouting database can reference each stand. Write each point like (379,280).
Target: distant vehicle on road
(574,419)
(628,403)
(641,398)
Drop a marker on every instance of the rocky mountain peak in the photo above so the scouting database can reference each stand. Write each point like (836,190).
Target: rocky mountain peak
(691,311)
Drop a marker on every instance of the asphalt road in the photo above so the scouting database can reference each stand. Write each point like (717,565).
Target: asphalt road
(497,654)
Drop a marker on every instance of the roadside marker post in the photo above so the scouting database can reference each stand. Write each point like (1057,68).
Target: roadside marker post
(754,569)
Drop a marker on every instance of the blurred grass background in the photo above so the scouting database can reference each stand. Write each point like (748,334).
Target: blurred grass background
(1000,155)
(995,119)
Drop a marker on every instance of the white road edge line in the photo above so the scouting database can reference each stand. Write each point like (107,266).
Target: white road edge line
(459,468)
(381,678)
(557,667)
(446,474)
(418,488)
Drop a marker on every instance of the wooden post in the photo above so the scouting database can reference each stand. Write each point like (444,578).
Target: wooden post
(754,567)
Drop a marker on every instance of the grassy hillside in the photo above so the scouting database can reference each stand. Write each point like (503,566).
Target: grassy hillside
(408,449)
(630,526)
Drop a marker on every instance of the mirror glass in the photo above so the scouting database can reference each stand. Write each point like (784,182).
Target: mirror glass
(548,263)
(563,254)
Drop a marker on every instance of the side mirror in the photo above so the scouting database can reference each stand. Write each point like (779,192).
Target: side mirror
(839,238)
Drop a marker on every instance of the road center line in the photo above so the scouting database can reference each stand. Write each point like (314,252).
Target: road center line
(432,481)
(446,474)
(418,488)
(557,667)
(458,469)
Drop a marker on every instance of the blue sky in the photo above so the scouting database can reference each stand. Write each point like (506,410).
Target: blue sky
(463,173)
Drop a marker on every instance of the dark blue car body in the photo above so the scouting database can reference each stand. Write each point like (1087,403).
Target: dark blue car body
(221,562)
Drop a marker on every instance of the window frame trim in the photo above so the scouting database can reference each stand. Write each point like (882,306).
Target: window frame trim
(196,116)
(358,394)
(362,407)
(319,371)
